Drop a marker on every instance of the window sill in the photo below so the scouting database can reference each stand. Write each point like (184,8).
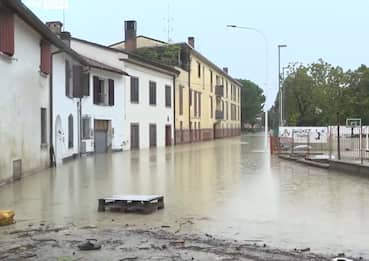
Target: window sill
(133,102)
(44,146)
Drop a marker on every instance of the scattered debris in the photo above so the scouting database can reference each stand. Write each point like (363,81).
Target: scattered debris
(90,244)
(6,217)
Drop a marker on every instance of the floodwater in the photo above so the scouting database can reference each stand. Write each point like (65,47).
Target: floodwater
(229,188)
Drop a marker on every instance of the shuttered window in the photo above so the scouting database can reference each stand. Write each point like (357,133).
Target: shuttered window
(199,104)
(180,100)
(168,96)
(43,126)
(77,74)
(68,91)
(70,131)
(134,90)
(152,135)
(111,92)
(152,91)
(45,63)
(85,82)
(6,32)
(97,90)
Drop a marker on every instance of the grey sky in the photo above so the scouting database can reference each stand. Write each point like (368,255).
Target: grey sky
(333,30)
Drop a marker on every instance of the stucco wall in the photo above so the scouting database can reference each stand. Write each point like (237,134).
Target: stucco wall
(144,113)
(63,106)
(24,92)
(114,114)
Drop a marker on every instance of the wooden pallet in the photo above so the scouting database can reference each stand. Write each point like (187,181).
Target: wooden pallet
(131,203)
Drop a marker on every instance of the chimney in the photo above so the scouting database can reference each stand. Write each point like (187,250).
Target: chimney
(191,41)
(225,69)
(130,33)
(55,26)
(65,37)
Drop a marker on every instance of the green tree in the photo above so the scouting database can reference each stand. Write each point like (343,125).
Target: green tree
(252,102)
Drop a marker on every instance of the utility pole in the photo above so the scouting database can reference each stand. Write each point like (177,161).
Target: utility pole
(279,85)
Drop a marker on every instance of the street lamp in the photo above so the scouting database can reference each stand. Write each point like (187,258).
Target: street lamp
(266,71)
(279,84)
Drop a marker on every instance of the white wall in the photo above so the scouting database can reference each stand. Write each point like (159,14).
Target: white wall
(141,113)
(63,106)
(23,92)
(144,113)
(112,113)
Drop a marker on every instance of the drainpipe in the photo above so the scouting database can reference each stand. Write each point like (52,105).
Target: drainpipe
(174,110)
(189,93)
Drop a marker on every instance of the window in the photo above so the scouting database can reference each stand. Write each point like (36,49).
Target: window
(152,91)
(226,89)
(195,103)
(70,131)
(211,107)
(180,100)
(199,98)
(226,111)
(134,90)
(211,81)
(68,85)
(43,126)
(6,32)
(103,91)
(190,98)
(45,61)
(152,135)
(86,128)
(199,69)
(168,96)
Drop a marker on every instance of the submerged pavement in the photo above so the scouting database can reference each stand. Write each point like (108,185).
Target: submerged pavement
(227,188)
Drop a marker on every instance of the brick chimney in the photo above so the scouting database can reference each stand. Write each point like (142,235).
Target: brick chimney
(191,41)
(130,33)
(225,69)
(57,28)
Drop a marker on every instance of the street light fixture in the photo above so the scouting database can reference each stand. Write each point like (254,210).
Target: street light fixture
(266,70)
(279,85)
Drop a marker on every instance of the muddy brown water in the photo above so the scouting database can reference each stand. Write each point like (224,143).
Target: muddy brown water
(229,188)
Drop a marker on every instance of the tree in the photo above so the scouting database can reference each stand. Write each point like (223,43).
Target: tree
(314,93)
(252,102)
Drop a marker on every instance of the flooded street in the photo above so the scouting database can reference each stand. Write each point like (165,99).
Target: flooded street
(229,188)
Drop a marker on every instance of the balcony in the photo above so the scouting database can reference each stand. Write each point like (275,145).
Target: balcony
(219,90)
(219,115)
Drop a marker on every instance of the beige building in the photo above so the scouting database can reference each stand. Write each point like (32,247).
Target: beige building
(207,98)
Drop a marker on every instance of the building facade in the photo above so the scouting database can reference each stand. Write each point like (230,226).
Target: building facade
(147,96)
(207,98)
(26,47)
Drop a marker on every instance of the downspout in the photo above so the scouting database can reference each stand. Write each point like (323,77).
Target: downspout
(174,110)
(189,93)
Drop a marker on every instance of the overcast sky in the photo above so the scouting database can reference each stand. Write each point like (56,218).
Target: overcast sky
(336,31)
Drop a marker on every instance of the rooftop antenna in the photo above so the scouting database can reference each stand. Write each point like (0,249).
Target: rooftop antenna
(169,24)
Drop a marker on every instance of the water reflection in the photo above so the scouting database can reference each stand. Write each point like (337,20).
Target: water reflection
(230,187)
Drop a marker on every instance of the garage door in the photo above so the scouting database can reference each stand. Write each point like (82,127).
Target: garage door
(101,142)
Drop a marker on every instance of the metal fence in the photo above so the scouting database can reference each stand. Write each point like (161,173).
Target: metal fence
(352,144)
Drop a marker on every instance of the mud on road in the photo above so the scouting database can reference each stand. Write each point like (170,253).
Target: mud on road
(130,243)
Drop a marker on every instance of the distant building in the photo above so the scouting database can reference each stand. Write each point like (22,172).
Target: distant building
(207,98)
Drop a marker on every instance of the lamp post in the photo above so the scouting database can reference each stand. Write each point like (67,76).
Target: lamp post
(279,84)
(266,73)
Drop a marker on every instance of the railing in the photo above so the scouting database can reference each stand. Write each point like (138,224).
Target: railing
(219,90)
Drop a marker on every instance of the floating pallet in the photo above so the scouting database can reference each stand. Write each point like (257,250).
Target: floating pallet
(131,203)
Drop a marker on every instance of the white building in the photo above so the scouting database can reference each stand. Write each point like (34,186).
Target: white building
(26,46)
(147,113)
(87,103)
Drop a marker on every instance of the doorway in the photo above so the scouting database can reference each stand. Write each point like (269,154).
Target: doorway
(168,135)
(135,136)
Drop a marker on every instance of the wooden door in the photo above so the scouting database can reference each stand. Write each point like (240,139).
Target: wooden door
(168,135)
(135,136)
